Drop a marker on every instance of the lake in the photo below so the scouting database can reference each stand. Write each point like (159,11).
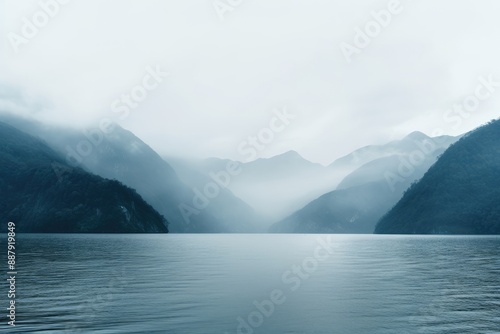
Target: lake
(256,284)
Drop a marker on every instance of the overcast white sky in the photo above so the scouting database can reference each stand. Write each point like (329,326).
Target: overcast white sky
(226,76)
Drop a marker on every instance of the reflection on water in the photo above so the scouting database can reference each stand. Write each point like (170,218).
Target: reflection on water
(256,284)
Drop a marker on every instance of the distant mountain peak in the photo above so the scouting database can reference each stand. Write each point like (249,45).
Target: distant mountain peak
(290,154)
(417,135)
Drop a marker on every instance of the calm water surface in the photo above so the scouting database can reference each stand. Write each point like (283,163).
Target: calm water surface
(217,283)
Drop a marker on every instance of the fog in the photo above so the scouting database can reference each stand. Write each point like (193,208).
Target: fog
(221,79)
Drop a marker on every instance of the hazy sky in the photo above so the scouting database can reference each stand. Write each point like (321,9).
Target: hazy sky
(227,76)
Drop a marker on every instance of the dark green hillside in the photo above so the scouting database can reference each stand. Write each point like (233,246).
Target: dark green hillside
(41,193)
(460,194)
(366,194)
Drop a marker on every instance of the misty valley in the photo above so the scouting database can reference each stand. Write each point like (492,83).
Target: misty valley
(108,235)
(375,189)
(386,239)
(250,167)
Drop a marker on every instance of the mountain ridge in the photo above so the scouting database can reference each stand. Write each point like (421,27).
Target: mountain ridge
(459,194)
(48,195)
(364,195)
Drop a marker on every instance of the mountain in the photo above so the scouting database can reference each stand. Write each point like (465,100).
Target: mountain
(225,206)
(460,194)
(340,211)
(369,153)
(42,193)
(274,186)
(366,194)
(118,154)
